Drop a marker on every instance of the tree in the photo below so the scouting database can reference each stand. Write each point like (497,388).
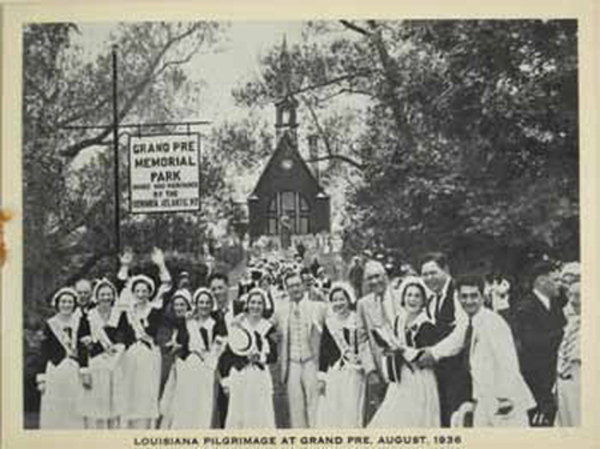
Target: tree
(68,199)
(470,136)
(492,109)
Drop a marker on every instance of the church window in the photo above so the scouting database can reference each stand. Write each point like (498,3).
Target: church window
(294,206)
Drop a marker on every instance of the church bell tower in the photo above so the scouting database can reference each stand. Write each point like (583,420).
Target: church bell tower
(286,106)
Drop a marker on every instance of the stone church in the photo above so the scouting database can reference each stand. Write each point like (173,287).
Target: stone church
(287,199)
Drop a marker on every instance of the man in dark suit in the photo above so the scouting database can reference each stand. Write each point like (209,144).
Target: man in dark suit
(226,310)
(454,383)
(539,325)
(355,275)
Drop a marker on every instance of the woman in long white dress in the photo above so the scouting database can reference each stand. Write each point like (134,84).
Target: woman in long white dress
(146,313)
(62,378)
(412,398)
(568,383)
(188,397)
(100,402)
(245,373)
(341,377)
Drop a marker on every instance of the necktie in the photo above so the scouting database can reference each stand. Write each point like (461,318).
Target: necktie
(297,311)
(346,333)
(468,342)
(438,304)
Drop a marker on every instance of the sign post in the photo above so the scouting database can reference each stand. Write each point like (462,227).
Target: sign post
(116,154)
(164,173)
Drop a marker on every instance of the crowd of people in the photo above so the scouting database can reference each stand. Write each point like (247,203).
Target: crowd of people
(423,349)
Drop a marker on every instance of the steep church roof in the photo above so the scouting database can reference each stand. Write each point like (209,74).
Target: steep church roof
(299,173)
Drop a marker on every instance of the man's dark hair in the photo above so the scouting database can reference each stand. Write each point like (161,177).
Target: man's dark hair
(470,280)
(305,270)
(540,268)
(438,257)
(217,276)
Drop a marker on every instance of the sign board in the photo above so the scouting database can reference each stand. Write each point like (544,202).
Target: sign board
(164,173)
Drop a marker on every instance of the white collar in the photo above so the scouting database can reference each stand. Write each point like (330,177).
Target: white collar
(438,299)
(226,308)
(479,315)
(402,319)
(444,292)
(543,298)
(262,326)
(206,323)
(299,303)
(58,326)
(335,322)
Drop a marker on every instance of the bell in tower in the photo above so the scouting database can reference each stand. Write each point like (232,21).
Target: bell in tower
(286,105)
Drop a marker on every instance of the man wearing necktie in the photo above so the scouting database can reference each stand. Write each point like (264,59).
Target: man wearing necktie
(500,397)
(540,326)
(375,317)
(226,310)
(300,323)
(83,287)
(451,326)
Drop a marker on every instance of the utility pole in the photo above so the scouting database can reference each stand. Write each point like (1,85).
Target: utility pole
(117,192)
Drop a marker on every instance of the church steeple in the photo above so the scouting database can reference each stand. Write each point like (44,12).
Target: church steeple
(285,104)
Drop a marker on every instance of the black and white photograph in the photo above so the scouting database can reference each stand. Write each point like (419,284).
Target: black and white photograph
(302,224)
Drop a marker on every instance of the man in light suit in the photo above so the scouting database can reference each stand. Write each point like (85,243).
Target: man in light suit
(299,322)
(500,394)
(375,315)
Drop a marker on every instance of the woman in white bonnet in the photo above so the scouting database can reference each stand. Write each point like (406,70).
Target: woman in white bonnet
(187,400)
(63,376)
(244,367)
(100,403)
(146,311)
(341,376)
(412,398)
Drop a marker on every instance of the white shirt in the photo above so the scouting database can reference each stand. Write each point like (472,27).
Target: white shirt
(437,304)
(495,367)
(453,343)
(543,299)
